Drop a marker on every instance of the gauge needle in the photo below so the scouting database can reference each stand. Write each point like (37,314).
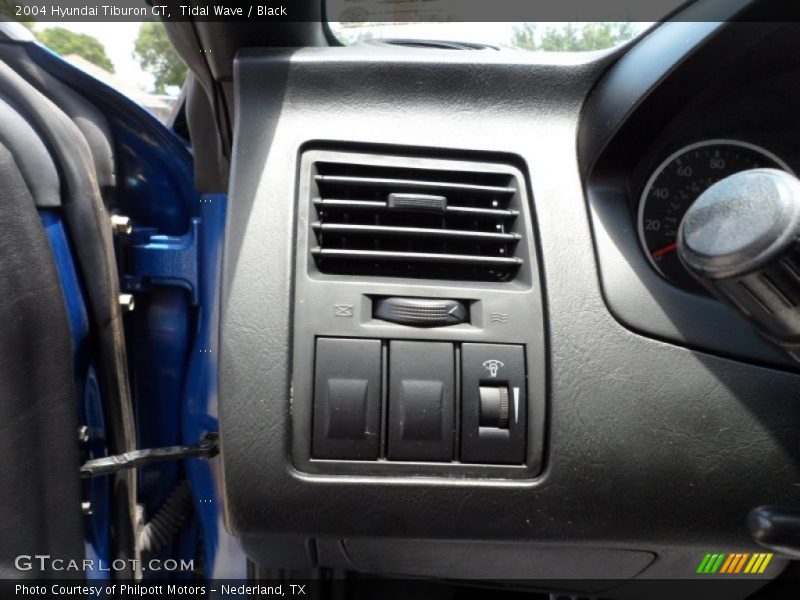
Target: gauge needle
(665,250)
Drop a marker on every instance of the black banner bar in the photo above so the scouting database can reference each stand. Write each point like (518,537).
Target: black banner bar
(394,11)
(364,588)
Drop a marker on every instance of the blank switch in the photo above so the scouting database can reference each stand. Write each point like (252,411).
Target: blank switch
(421,401)
(347,399)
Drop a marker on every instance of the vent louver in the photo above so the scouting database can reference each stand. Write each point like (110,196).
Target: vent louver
(415,222)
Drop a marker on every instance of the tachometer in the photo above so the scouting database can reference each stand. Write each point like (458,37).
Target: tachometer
(676,184)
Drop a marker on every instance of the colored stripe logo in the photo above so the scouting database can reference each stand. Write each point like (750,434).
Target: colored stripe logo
(734,563)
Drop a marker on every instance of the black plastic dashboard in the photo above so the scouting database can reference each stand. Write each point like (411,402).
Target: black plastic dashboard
(641,433)
(747,102)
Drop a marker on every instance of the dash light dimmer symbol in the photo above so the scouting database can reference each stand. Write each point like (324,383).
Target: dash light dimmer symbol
(492,366)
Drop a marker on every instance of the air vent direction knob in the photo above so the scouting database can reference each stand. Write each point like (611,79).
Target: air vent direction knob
(740,240)
(417,203)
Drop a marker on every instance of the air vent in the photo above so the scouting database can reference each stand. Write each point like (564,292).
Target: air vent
(409,221)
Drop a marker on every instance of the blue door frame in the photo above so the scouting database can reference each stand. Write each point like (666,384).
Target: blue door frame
(172,263)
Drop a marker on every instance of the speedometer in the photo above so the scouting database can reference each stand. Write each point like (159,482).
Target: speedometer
(676,184)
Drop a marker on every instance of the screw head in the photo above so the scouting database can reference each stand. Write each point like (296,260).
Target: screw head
(127,302)
(122,225)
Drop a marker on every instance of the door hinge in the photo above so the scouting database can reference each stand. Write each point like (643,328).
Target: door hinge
(156,259)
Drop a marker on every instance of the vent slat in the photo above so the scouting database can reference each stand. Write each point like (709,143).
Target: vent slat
(490,213)
(379,255)
(411,183)
(415,231)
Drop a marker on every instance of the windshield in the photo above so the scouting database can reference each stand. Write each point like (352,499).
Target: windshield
(543,37)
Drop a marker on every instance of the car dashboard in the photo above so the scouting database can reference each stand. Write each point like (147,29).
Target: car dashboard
(519,383)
